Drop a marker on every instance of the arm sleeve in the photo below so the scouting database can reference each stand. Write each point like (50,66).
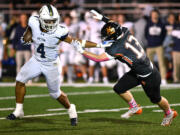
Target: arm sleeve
(64,33)
(32,21)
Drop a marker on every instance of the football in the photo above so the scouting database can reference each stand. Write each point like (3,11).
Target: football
(27,36)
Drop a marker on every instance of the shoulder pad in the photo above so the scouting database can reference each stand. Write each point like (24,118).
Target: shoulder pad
(62,32)
(33,21)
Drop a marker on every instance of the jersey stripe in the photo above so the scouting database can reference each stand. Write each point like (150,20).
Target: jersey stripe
(124,58)
(50,10)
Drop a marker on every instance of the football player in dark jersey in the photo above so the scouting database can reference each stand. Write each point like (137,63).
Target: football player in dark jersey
(127,49)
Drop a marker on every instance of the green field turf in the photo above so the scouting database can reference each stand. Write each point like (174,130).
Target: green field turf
(94,123)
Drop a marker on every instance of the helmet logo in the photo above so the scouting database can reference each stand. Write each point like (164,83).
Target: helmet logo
(110,30)
(50,10)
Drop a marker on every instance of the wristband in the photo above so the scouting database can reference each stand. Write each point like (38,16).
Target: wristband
(83,43)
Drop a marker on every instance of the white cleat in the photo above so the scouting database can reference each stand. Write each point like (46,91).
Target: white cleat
(73,115)
(167,120)
(131,112)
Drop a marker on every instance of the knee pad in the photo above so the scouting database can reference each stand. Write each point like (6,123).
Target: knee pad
(55,95)
(155,100)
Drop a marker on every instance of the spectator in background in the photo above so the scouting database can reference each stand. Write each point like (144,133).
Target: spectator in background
(93,29)
(155,33)
(23,52)
(140,24)
(168,42)
(176,51)
(67,52)
(2,34)
(10,32)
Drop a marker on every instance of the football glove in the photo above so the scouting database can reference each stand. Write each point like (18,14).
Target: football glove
(99,16)
(77,45)
(96,15)
(105,44)
(25,43)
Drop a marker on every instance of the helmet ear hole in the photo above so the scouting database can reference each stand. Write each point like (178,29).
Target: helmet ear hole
(111,31)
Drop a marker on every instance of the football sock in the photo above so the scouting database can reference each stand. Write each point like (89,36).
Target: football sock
(90,79)
(85,77)
(169,111)
(72,111)
(105,80)
(19,107)
(132,103)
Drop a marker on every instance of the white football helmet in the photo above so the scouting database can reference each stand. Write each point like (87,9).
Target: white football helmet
(49,17)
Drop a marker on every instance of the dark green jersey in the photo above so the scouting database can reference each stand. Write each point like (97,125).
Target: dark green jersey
(128,50)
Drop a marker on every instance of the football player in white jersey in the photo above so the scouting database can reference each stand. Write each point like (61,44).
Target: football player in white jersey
(93,29)
(46,35)
(68,52)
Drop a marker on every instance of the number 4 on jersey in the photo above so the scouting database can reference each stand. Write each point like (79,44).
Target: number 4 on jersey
(40,50)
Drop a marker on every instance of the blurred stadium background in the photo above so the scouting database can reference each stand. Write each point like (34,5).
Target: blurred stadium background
(88,84)
(134,14)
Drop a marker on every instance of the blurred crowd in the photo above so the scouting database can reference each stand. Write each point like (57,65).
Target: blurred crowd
(160,37)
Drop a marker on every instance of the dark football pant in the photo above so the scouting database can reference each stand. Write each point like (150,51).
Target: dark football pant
(150,84)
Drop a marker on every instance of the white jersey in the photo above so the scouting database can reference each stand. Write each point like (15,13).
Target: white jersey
(95,30)
(46,44)
(73,30)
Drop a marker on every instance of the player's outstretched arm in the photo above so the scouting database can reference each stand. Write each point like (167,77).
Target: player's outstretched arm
(88,44)
(97,58)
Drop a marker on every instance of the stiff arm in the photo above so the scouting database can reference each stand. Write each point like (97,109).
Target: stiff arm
(97,58)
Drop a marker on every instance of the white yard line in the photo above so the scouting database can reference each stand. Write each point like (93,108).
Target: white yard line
(137,89)
(6,109)
(89,111)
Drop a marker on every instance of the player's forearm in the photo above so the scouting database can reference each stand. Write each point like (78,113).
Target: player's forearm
(84,43)
(94,57)
(88,44)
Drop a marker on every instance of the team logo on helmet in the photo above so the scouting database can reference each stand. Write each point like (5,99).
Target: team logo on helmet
(110,30)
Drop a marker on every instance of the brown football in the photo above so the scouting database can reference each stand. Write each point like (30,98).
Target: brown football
(27,36)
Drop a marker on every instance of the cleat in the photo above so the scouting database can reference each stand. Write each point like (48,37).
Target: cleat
(11,117)
(167,120)
(131,112)
(73,115)
(14,116)
(74,122)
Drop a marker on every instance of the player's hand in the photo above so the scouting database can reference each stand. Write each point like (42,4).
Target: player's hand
(77,45)
(25,43)
(105,44)
(96,15)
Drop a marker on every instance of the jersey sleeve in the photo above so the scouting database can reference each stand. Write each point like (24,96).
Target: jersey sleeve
(32,21)
(63,32)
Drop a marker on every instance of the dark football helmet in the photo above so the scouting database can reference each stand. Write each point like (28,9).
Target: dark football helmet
(111,31)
